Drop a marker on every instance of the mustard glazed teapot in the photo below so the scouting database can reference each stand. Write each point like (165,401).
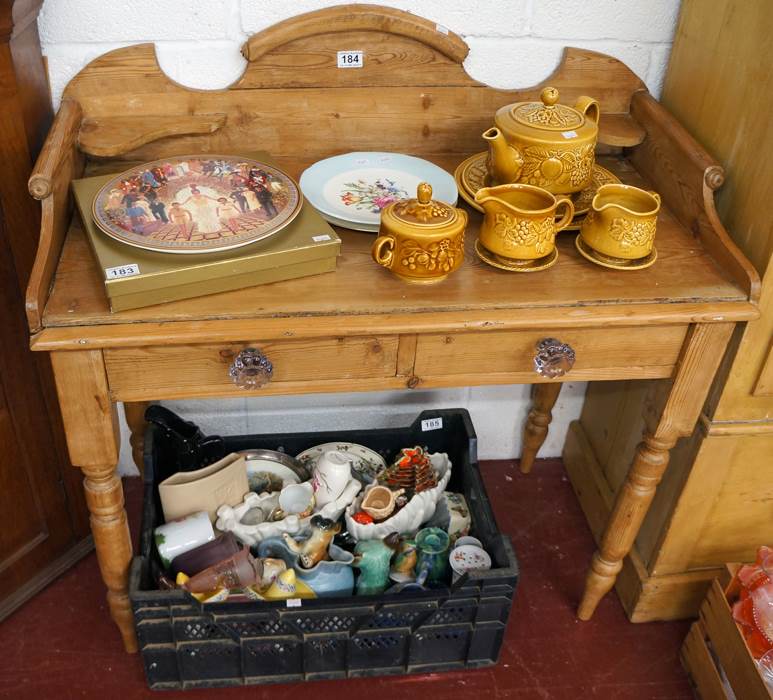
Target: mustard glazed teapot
(544,143)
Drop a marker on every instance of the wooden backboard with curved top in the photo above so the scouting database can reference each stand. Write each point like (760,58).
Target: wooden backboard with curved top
(293,96)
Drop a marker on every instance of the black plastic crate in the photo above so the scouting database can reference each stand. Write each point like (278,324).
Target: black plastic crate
(185,644)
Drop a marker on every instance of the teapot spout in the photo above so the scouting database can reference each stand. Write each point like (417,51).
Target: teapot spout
(504,161)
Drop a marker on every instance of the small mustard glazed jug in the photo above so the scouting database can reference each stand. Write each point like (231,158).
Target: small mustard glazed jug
(421,240)
(519,226)
(620,226)
(544,143)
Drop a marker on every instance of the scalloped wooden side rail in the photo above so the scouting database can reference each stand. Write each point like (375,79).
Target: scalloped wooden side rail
(111,136)
(686,176)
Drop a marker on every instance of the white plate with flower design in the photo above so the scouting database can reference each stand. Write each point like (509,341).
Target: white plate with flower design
(353,188)
(366,463)
(468,557)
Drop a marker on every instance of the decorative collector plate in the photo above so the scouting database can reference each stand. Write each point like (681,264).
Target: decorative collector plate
(352,189)
(196,204)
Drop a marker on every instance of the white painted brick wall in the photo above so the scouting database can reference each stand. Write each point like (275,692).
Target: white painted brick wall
(513,43)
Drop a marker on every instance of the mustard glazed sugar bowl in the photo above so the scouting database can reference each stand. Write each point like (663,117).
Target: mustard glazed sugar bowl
(544,143)
(421,240)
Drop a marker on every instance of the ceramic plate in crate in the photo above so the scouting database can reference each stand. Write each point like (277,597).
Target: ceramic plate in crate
(366,463)
(409,518)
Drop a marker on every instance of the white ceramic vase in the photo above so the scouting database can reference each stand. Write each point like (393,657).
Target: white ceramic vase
(330,477)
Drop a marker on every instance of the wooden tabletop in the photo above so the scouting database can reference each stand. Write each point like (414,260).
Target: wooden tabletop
(683,272)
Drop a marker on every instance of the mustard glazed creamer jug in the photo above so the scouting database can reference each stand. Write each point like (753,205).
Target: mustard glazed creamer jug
(621,222)
(544,143)
(519,225)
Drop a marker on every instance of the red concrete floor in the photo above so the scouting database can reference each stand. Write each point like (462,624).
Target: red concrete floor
(62,643)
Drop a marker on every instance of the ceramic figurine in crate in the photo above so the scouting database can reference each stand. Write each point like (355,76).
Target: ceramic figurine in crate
(314,549)
(404,560)
(330,577)
(372,558)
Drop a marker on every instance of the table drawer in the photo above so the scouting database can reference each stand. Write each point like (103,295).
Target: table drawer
(203,370)
(508,356)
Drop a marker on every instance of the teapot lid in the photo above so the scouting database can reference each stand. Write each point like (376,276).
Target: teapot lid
(547,114)
(423,210)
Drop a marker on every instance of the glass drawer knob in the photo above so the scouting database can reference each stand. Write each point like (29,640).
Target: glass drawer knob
(553,358)
(251,369)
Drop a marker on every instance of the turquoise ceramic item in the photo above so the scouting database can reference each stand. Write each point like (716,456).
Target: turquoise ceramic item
(372,557)
(350,190)
(432,545)
(328,579)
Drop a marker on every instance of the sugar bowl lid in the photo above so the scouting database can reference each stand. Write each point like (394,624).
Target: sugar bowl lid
(422,211)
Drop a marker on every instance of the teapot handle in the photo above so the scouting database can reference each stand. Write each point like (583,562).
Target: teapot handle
(589,107)
(383,250)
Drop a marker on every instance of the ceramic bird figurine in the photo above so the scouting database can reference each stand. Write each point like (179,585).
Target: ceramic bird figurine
(372,558)
(404,560)
(314,549)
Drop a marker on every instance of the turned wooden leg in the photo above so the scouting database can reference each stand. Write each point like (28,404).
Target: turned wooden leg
(540,415)
(91,427)
(632,503)
(695,371)
(104,497)
(135,419)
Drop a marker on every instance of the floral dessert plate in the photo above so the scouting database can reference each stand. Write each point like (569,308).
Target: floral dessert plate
(196,204)
(366,463)
(343,223)
(353,188)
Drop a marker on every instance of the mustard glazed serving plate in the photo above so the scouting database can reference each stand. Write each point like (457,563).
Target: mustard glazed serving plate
(196,204)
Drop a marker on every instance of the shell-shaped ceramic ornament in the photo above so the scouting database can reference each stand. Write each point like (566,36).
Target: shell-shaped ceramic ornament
(410,517)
